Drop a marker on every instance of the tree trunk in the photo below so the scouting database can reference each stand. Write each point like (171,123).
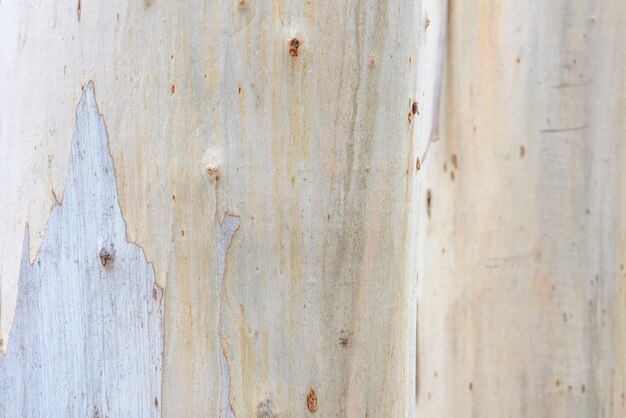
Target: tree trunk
(521,300)
(219,209)
(225,223)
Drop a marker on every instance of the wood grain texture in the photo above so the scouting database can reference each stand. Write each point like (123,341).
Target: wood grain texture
(88,335)
(522,307)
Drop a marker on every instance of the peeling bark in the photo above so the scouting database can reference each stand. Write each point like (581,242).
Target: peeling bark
(87,338)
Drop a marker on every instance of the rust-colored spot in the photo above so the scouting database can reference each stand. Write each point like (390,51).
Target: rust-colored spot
(239,91)
(311,401)
(294,44)
(418,164)
(522,151)
(105,257)
(429,201)
(415,109)
(182,232)
(173,197)
(173,89)
(454,160)
(372,61)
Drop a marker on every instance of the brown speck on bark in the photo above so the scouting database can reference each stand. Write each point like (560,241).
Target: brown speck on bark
(311,401)
(156,403)
(173,89)
(582,389)
(344,338)
(78,10)
(429,201)
(518,60)
(426,23)
(173,197)
(454,160)
(106,258)
(558,383)
(372,61)
(182,232)
(522,151)
(415,108)
(418,164)
(239,91)
(452,175)
(294,44)
(471,386)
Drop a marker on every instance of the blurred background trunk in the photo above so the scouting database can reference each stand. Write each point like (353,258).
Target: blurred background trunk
(521,300)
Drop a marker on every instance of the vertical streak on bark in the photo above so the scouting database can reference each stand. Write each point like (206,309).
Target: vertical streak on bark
(225,231)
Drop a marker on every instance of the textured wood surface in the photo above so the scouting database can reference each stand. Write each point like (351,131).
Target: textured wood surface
(87,339)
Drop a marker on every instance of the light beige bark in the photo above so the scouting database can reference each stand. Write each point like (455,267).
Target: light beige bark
(521,294)
(302,299)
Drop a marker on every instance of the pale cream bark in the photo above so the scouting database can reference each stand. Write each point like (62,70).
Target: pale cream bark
(521,301)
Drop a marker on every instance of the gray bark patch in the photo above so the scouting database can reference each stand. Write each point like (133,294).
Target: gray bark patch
(87,335)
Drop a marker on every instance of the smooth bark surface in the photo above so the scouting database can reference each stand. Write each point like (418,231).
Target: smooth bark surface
(522,307)
(264,154)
